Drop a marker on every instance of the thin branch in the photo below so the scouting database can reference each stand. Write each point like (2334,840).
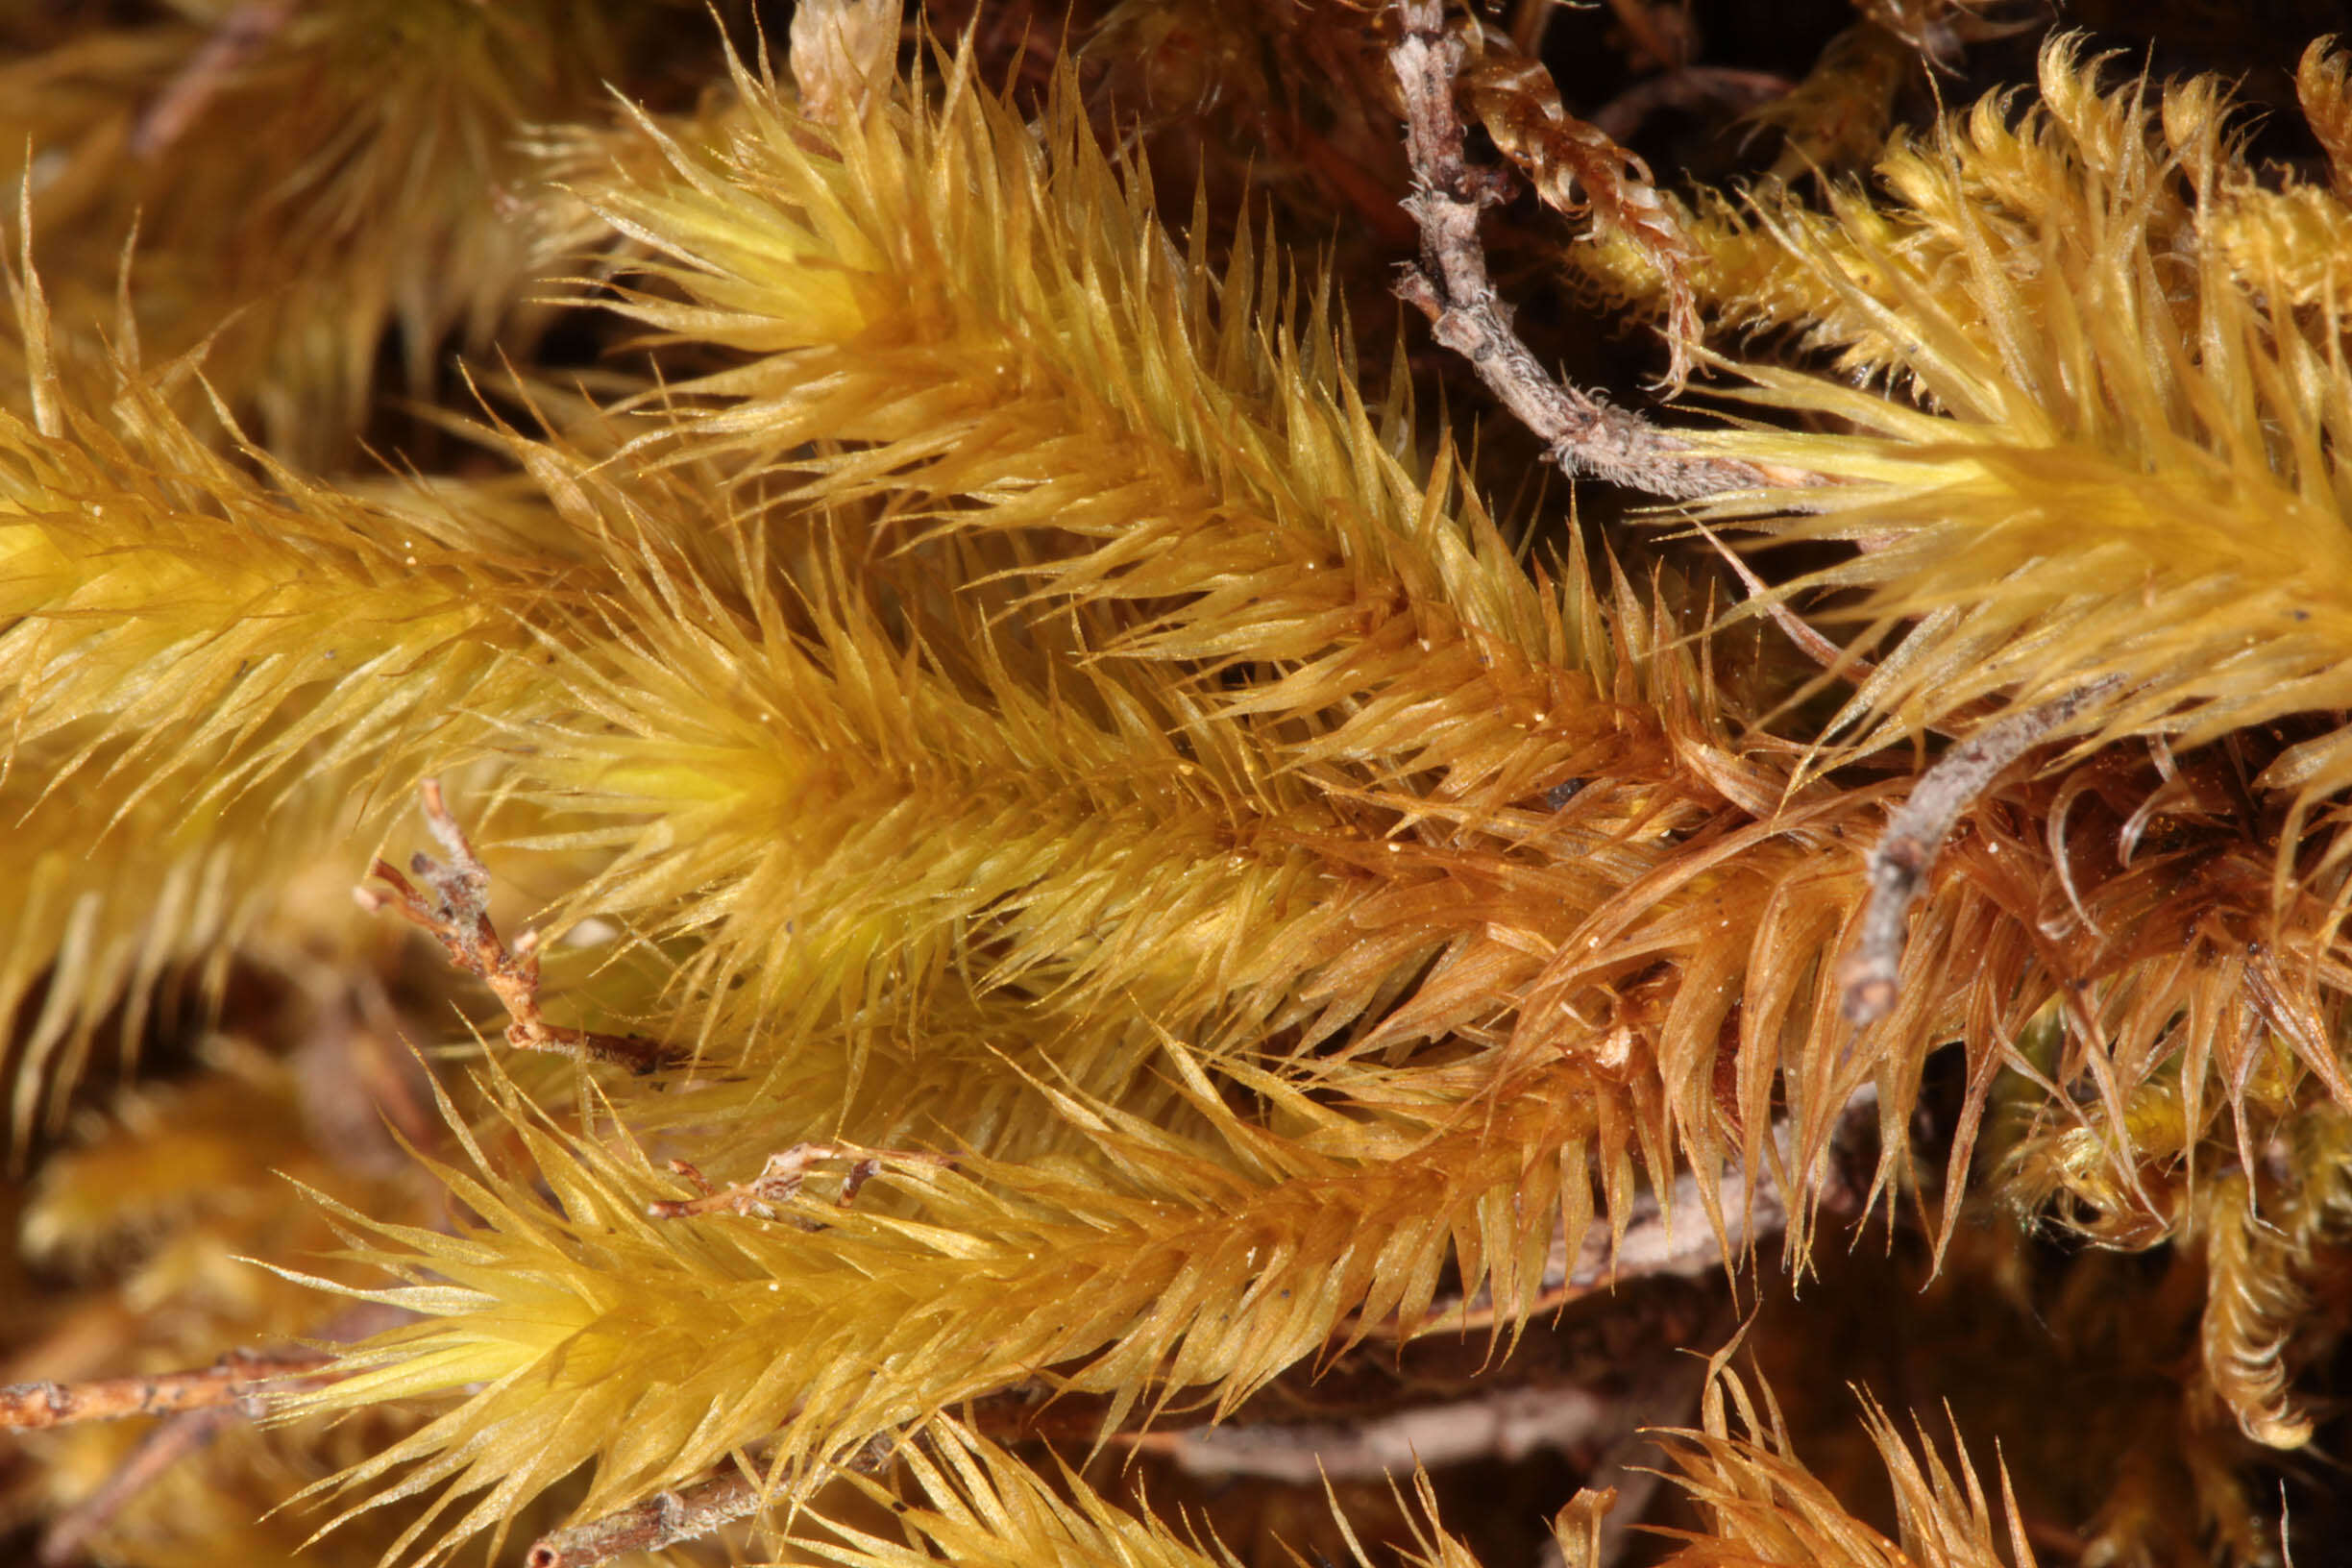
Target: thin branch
(780,1180)
(1871,975)
(235,38)
(1656,1242)
(683,1513)
(1506,1423)
(162,1448)
(661,1520)
(1667,43)
(1452,287)
(456,914)
(30,1406)
(1689,87)
(1028,1412)
(204,1402)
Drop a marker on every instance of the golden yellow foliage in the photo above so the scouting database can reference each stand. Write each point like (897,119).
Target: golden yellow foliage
(1143,883)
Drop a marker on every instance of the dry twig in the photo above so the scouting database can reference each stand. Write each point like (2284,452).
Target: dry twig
(661,1520)
(26,1406)
(1688,87)
(1870,975)
(236,39)
(683,1513)
(1452,287)
(1755,1210)
(457,916)
(780,1180)
(1497,1423)
(1580,170)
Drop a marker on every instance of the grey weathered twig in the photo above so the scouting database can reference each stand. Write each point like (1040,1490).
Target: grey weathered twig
(1495,1423)
(1451,286)
(1868,977)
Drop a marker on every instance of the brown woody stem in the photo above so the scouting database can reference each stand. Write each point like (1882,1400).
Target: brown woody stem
(781,1179)
(661,1520)
(453,907)
(26,1406)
